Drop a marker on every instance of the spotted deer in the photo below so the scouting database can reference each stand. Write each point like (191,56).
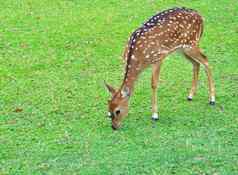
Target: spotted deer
(168,31)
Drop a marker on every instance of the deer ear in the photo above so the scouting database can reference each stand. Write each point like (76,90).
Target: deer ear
(110,88)
(125,92)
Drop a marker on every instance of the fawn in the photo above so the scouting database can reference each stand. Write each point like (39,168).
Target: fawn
(168,31)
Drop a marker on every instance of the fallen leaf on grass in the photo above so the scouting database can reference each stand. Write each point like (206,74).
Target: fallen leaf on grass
(18,110)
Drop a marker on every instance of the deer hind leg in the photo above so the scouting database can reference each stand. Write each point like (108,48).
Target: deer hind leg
(199,57)
(196,68)
(154,85)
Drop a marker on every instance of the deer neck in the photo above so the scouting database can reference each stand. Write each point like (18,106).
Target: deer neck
(133,69)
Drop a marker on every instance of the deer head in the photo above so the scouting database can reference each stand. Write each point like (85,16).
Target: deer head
(118,105)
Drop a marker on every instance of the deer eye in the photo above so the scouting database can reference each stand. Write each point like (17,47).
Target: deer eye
(118,112)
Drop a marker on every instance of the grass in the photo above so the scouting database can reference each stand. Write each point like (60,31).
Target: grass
(54,56)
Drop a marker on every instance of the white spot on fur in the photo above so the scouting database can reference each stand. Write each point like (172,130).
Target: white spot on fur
(213,99)
(155,116)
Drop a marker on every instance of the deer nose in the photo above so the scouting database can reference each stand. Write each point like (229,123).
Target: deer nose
(114,128)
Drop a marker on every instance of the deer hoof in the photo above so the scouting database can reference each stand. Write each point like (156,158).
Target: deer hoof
(190,98)
(212,103)
(155,116)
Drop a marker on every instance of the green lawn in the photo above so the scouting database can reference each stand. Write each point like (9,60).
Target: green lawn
(54,56)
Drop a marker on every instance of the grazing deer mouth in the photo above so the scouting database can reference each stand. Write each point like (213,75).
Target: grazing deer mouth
(115,126)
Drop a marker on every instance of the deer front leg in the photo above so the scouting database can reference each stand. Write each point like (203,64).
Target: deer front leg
(196,67)
(154,84)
